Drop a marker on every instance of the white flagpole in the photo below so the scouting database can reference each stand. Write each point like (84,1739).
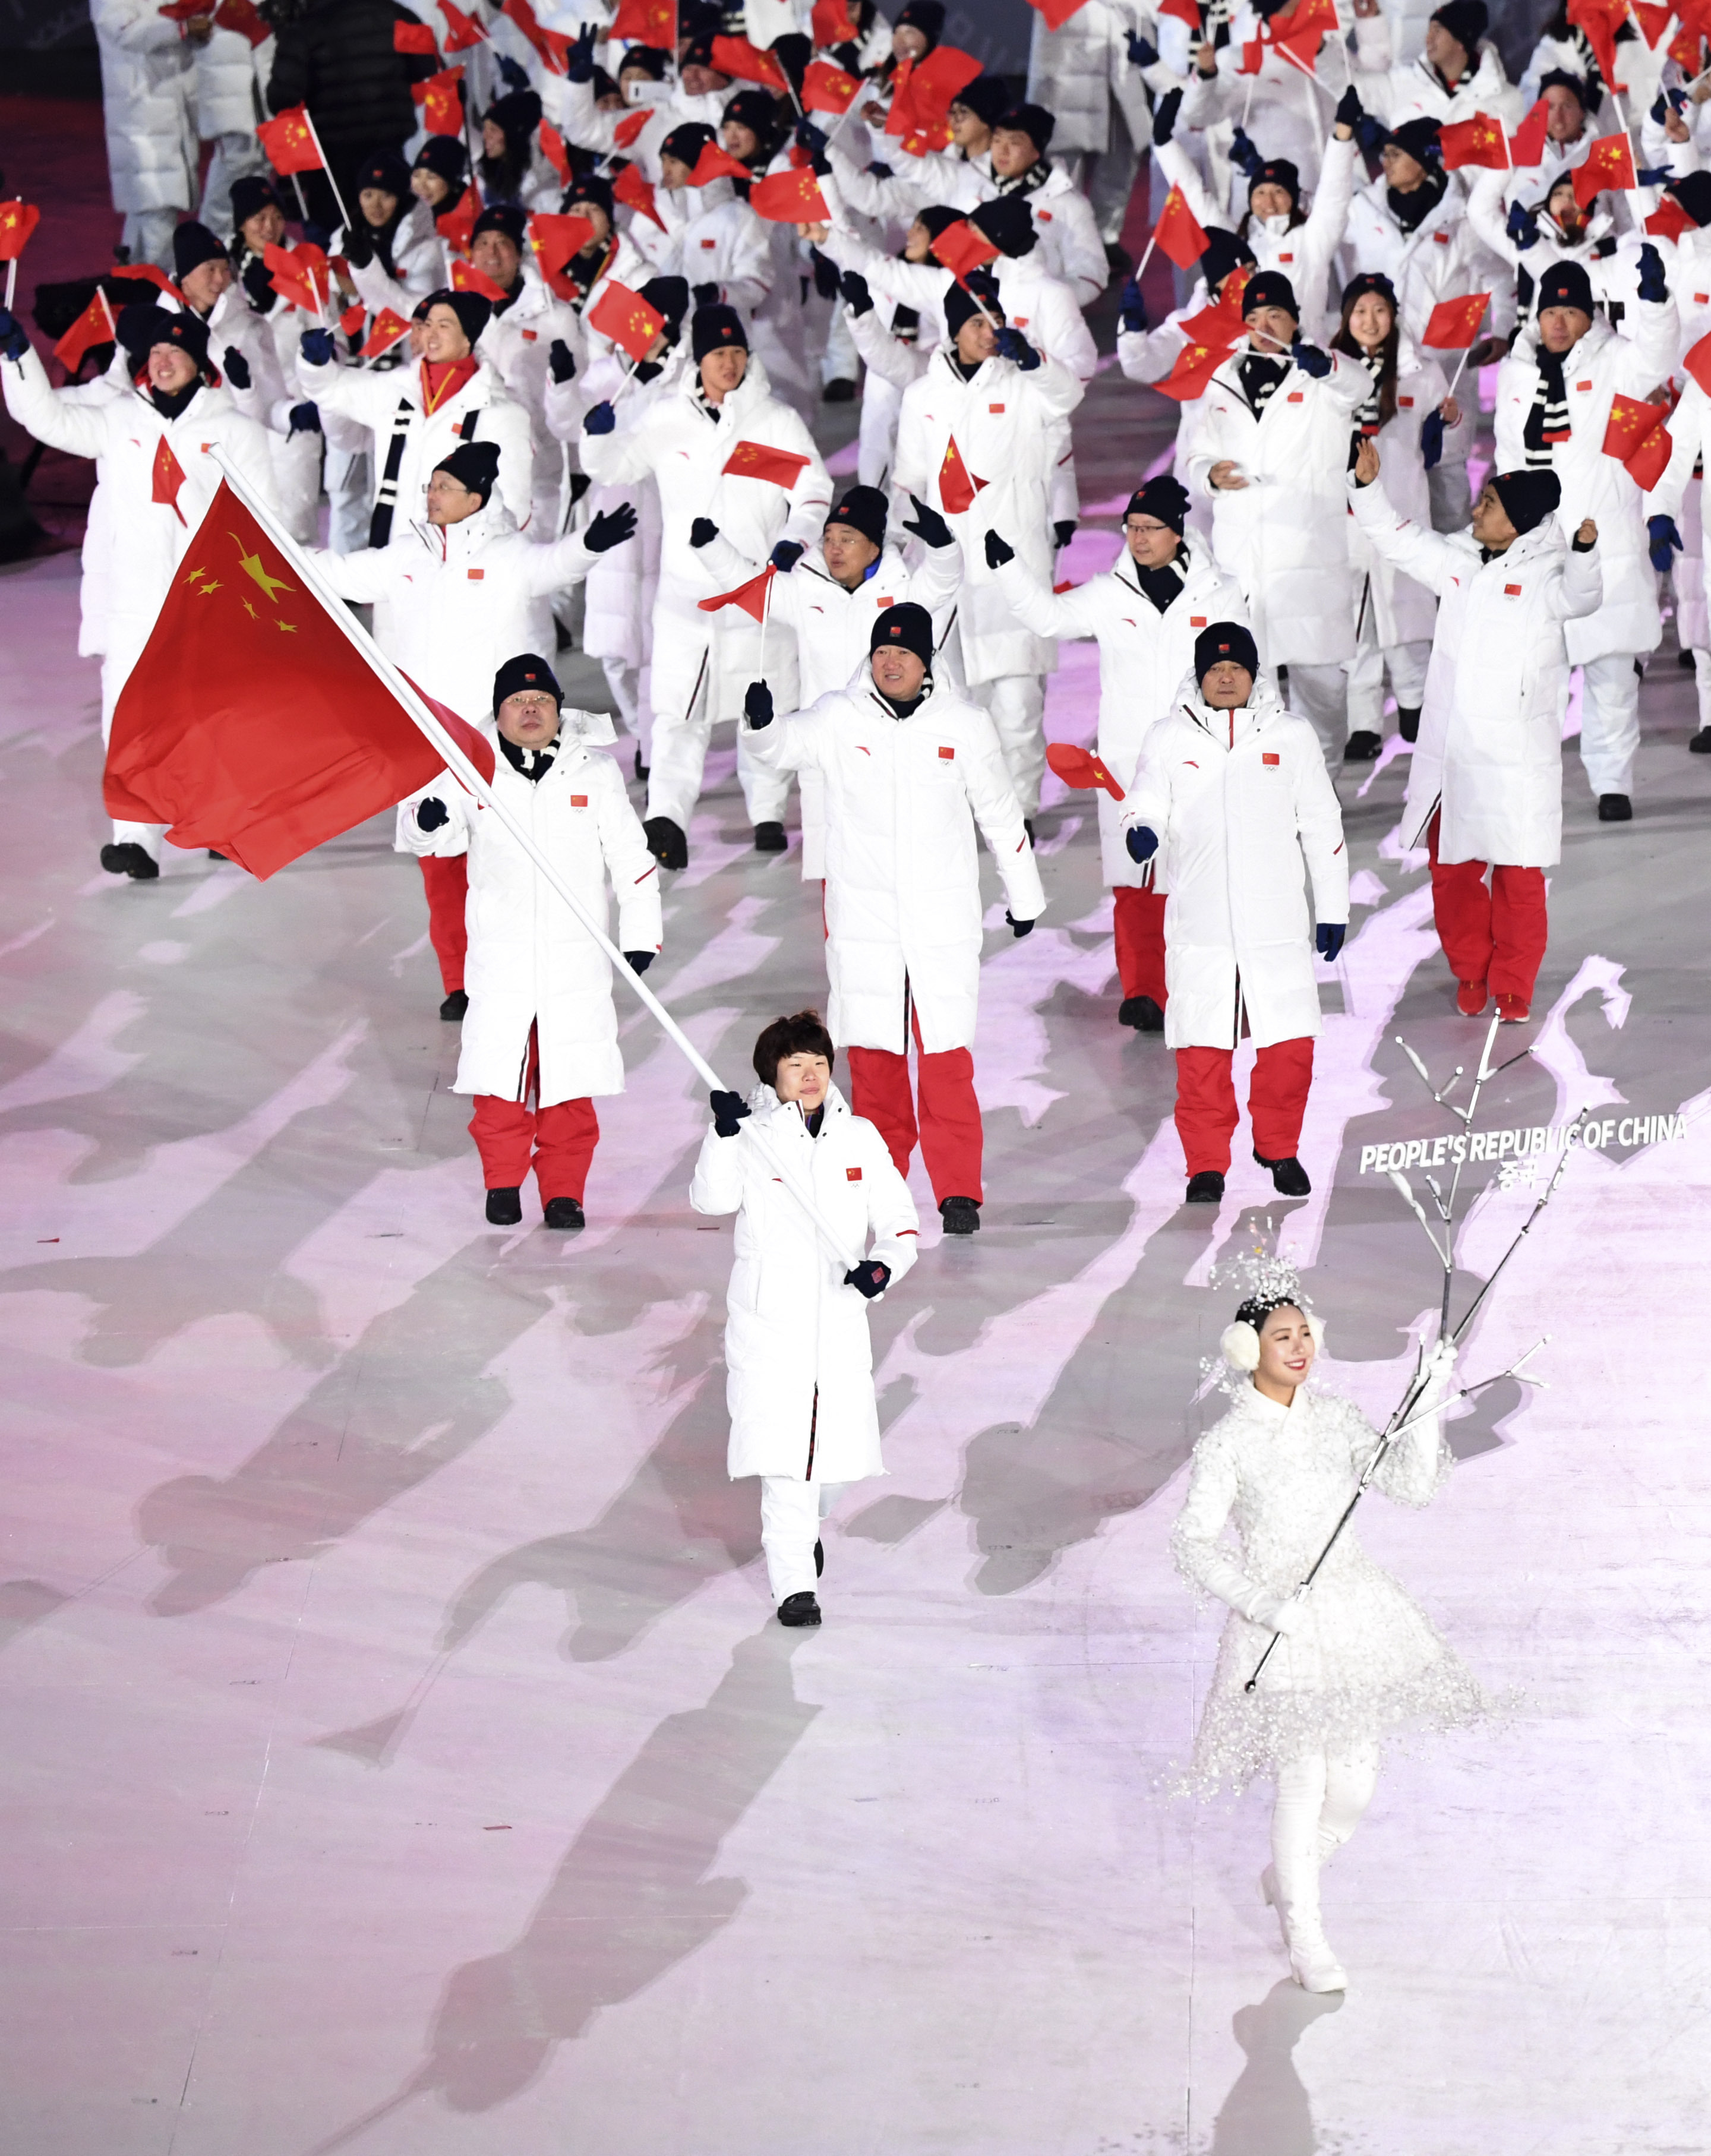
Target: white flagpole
(344,214)
(411,702)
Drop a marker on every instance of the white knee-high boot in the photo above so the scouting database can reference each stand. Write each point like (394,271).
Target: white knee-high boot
(1291,1882)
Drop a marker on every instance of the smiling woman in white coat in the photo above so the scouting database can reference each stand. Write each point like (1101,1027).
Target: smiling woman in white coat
(798,1361)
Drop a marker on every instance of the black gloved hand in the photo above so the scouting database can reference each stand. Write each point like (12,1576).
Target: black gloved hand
(1431,440)
(317,347)
(1141,54)
(814,140)
(14,342)
(516,76)
(1349,109)
(431,815)
(728,1110)
(786,555)
(1653,284)
(1132,309)
(703,531)
(1327,937)
(561,361)
(1310,359)
(358,248)
(929,527)
(580,60)
(1662,540)
(826,280)
(705,296)
(1063,532)
(1243,153)
(639,961)
(856,296)
(1142,843)
(599,419)
(1018,928)
(997,552)
(758,706)
(258,284)
(870,1278)
(1164,114)
(305,420)
(234,367)
(879,170)
(609,529)
(1013,346)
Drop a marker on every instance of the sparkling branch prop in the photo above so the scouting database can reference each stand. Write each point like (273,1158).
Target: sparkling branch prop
(411,702)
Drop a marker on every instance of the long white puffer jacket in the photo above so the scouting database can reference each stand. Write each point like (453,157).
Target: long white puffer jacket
(797,1357)
(1243,811)
(1399,609)
(228,70)
(148,98)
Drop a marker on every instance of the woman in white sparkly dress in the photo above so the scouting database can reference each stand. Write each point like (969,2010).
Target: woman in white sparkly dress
(1356,1656)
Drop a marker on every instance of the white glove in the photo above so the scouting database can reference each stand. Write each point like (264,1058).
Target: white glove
(1441,1363)
(1281,1613)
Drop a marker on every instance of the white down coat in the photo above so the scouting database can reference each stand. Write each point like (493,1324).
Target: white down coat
(798,1361)
(1011,430)
(1401,610)
(1490,748)
(1144,655)
(902,896)
(148,78)
(531,961)
(1282,537)
(1242,806)
(226,70)
(1602,363)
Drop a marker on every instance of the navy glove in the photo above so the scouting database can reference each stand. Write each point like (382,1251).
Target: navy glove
(879,170)
(1243,155)
(580,60)
(1522,228)
(14,343)
(1664,538)
(1431,440)
(703,531)
(1133,308)
(826,281)
(758,706)
(997,552)
(317,347)
(599,419)
(1310,359)
(1328,936)
(1141,54)
(856,296)
(705,296)
(431,815)
(259,286)
(236,367)
(1142,843)
(1063,532)
(305,420)
(929,527)
(1018,928)
(1013,346)
(785,555)
(561,361)
(870,1278)
(611,528)
(728,1110)
(1349,111)
(1164,114)
(515,77)
(1653,283)
(813,139)
(639,961)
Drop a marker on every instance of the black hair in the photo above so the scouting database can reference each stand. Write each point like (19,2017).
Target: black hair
(1259,1307)
(801,1034)
(1390,350)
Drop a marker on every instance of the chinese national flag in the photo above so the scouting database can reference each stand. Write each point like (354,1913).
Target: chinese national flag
(1303,30)
(758,460)
(1697,363)
(167,475)
(1177,231)
(1220,325)
(746,62)
(1600,20)
(1077,769)
(17,221)
(831,24)
(1056,13)
(1638,439)
(1527,143)
(1195,365)
(627,319)
(252,723)
(751,597)
(923,90)
(93,326)
(1185,11)
(161,281)
(631,187)
(413,37)
(1610,163)
(553,150)
(442,106)
(461,32)
(717,164)
(288,142)
(956,488)
(828,89)
(789,198)
(240,16)
(1653,22)
(963,248)
(353,318)
(632,124)
(1455,323)
(387,329)
(549,43)
(646,22)
(466,277)
(457,226)
(1669,220)
(1475,141)
(298,274)
(556,239)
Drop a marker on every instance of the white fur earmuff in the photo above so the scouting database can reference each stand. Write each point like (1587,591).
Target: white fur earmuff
(1241,1346)
(1316,1326)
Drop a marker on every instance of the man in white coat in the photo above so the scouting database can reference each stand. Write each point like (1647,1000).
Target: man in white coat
(1271,453)
(148,82)
(907,770)
(541,1027)
(1554,399)
(797,1360)
(1232,792)
(1485,783)
(722,449)
(1146,613)
(156,445)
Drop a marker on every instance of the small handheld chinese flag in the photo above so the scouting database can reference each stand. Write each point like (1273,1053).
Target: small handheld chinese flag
(388,328)
(632,188)
(553,150)
(288,142)
(17,221)
(1454,324)
(964,247)
(462,30)
(457,226)
(236,15)
(1653,22)
(923,90)
(466,277)
(1184,11)
(1669,220)
(1479,141)
(632,124)
(1637,437)
(93,326)
(746,62)
(832,24)
(550,44)
(353,318)
(1220,325)
(556,240)
(717,164)
(1076,768)
(168,476)
(441,102)
(1195,365)
(789,198)
(299,273)
(646,22)
(1609,163)
(1697,363)
(828,89)
(751,597)
(627,319)
(1527,143)
(1600,20)
(413,37)
(758,460)
(1177,231)
(957,487)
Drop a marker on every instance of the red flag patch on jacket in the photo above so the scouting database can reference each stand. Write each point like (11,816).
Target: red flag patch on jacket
(1177,231)
(760,461)
(789,198)
(1455,323)
(1639,441)
(751,597)
(1610,163)
(1475,141)
(957,486)
(288,142)
(167,475)
(627,319)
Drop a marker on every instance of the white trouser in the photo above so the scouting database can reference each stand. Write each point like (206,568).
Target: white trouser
(1404,663)
(350,494)
(839,362)
(624,680)
(1610,722)
(296,476)
(1320,696)
(148,235)
(1701,682)
(679,755)
(1016,703)
(234,155)
(115,671)
(790,1514)
(1320,1800)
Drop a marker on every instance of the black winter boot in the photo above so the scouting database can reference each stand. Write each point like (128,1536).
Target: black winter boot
(1142,1013)
(799,1609)
(1205,1189)
(1289,1177)
(455,1004)
(666,842)
(505,1209)
(961,1215)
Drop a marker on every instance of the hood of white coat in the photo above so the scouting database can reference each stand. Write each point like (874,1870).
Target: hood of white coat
(768,1106)
(1263,707)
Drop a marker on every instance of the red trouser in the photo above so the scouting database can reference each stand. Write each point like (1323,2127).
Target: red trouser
(562,1139)
(447,883)
(1277,1102)
(950,1115)
(1139,925)
(1496,935)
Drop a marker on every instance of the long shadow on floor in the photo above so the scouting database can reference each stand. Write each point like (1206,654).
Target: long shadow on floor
(1267,2112)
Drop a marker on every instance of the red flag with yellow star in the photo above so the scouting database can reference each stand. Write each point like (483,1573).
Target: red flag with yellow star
(17,221)
(388,328)
(252,722)
(1609,163)
(288,142)
(957,487)
(646,22)
(462,31)
(168,476)
(751,597)
(466,277)
(627,319)
(758,460)
(1195,365)
(1479,141)
(1636,435)
(457,226)
(441,100)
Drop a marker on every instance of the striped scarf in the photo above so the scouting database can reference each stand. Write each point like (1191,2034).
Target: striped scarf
(1261,378)
(1547,421)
